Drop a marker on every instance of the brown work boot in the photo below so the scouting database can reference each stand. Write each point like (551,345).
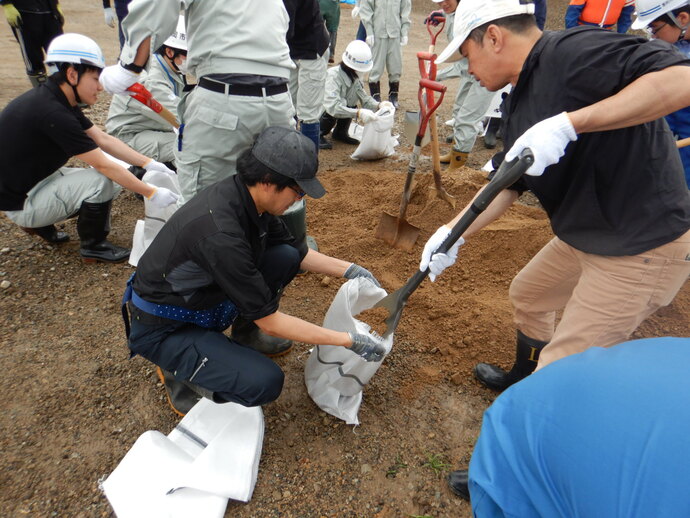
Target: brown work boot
(457,160)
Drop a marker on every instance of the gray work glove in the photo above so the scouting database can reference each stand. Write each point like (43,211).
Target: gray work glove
(369,346)
(356,270)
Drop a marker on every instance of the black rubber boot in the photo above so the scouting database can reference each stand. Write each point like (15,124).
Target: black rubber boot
(93,226)
(526,357)
(458,483)
(326,124)
(48,233)
(375,91)
(491,132)
(37,79)
(340,132)
(182,395)
(248,334)
(393,89)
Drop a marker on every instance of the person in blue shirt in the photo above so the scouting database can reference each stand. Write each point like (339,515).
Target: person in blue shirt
(600,433)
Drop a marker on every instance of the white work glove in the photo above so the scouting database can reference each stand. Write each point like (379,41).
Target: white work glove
(547,140)
(355,11)
(110,18)
(386,105)
(162,197)
(158,166)
(370,40)
(366,116)
(355,270)
(403,40)
(439,262)
(116,79)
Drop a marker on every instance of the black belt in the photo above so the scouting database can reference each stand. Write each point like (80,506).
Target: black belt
(247,90)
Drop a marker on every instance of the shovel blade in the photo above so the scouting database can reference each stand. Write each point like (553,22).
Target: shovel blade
(397,232)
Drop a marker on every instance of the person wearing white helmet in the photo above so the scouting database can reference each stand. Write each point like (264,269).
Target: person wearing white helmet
(387,24)
(136,124)
(45,127)
(669,21)
(344,91)
(586,102)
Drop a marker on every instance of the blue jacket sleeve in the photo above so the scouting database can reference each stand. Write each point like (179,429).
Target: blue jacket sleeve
(572,15)
(625,19)
(540,13)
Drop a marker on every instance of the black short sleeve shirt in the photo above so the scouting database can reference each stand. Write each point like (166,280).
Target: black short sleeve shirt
(619,192)
(40,132)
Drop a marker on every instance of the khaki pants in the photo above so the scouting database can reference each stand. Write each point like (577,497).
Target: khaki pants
(603,298)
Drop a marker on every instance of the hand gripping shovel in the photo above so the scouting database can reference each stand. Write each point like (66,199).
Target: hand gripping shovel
(141,94)
(506,176)
(396,231)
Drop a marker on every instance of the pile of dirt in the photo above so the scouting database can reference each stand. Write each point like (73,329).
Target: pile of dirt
(74,403)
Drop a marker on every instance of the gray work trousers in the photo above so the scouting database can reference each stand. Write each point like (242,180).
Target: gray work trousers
(159,145)
(307,87)
(218,128)
(61,194)
(471,102)
(387,52)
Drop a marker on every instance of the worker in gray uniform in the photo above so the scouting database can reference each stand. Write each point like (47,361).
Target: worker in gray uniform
(137,125)
(387,23)
(308,40)
(239,53)
(471,100)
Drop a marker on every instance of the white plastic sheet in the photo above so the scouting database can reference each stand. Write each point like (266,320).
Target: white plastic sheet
(211,456)
(335,376)
(376,141)
(154,217)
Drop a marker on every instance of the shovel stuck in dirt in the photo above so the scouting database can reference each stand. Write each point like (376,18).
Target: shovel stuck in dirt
(507,175)
(396,231)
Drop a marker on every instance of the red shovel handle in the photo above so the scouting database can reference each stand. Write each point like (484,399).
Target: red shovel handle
(428,108)
(427,65)
(436,30)
(141,94)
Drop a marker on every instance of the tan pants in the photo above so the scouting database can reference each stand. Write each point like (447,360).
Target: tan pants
(603,298)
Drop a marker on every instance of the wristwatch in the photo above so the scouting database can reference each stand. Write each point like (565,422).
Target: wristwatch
(132,67)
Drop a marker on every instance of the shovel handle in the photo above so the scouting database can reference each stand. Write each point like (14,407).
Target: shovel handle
(141,94)
(508,173)
(436,30)
(427,108)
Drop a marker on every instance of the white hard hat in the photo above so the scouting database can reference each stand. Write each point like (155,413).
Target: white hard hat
(75,48)
(357,56)
(475,13)
(178,39)
(649,10)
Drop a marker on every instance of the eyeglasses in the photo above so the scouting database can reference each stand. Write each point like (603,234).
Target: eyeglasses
(653,30)
(300,193)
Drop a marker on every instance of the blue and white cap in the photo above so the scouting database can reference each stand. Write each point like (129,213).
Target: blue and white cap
(357,56)
(74,48)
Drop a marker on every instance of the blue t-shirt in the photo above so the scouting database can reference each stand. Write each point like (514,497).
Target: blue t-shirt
(603,433)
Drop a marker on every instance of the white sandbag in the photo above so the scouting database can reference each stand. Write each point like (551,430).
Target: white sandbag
(494,109)
(212,455)
(139,485)
(335,376)
(376,141)
(154,217)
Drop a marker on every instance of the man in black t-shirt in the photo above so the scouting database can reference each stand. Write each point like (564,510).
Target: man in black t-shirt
(42,129)
(589,104)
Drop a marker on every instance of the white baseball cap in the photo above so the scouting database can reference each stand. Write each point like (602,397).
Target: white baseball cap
(475,13)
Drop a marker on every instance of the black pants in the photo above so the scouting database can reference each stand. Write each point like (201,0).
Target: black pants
(34,35)
(208,357)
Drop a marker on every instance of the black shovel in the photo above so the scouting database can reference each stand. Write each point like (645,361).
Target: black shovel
(507,175)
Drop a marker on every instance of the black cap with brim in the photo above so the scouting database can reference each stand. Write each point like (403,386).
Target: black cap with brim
(286,151)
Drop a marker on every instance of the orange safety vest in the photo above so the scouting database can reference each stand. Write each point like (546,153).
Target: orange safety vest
(604,13)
